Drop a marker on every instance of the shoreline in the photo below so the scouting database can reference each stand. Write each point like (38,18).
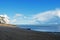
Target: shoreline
(8,25)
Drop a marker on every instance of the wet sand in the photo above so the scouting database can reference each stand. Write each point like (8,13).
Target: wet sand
(9,33)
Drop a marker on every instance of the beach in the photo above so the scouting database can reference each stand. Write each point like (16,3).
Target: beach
(10,33)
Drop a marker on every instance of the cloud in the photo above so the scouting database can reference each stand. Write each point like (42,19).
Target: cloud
(47,17)
(19,19)
(44,16)
(58,12)
(52,16)
(18,15)
(14,20)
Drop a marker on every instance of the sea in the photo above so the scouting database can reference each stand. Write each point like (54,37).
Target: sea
(48,28)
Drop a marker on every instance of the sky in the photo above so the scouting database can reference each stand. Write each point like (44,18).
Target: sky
(31,11)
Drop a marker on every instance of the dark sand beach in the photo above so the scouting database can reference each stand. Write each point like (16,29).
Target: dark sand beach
(9,33)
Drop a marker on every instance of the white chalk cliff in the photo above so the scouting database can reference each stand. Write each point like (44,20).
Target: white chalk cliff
(4,19)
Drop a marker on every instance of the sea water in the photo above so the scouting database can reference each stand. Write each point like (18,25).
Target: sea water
(52,28)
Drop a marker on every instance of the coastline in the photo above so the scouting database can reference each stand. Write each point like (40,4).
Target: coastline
(8,25)
(10,32)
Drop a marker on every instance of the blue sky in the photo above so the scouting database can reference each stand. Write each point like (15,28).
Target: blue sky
(27,6)
(26,9)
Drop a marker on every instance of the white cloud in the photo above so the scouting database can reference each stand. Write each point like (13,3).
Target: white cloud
(44,16)
(49,17)
(18,15)
(58,12)
(14,20)
(40,18)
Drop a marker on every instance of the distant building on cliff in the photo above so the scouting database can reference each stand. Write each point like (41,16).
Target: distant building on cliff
(4,19)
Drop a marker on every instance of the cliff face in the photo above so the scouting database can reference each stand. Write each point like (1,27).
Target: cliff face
(9,33)
(4,19)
